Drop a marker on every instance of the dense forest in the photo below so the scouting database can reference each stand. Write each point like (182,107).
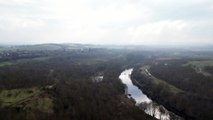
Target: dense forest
(61,87)
(178,86)
(82,82)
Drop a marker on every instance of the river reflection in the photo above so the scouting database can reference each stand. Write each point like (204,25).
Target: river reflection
(143,102)
(131,89)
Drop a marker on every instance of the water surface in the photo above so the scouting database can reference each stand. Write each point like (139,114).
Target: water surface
(142,101)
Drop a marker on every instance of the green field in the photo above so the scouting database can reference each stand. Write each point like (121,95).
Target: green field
(32,47)
(4,49)
(14,96)
(91,61)
(2,64)
(8,63)
(199,66)
(168,58)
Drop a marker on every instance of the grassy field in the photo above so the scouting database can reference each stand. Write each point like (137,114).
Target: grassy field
(145,72)
(45,104)
(3,49)
(14,96)
(42,103)
(8,63)
(31,47)
(2,64)
(91,61)
(199,66)
(168,58)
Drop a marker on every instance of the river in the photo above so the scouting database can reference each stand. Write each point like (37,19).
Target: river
(143,102)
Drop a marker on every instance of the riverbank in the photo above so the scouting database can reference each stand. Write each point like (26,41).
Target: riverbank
(143,102)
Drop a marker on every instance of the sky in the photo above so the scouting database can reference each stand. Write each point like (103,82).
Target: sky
(119,22)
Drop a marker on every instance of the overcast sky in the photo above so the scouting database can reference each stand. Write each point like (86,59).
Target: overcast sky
(146,22)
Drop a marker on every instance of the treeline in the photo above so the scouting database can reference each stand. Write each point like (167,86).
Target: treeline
(75,95)
(195,102)
(183,77)
(37,73)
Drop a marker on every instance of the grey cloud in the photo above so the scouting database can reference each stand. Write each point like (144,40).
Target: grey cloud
(106,22)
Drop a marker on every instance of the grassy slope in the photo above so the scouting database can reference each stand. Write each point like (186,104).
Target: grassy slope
(145,72)
(42,103)
(14,96)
